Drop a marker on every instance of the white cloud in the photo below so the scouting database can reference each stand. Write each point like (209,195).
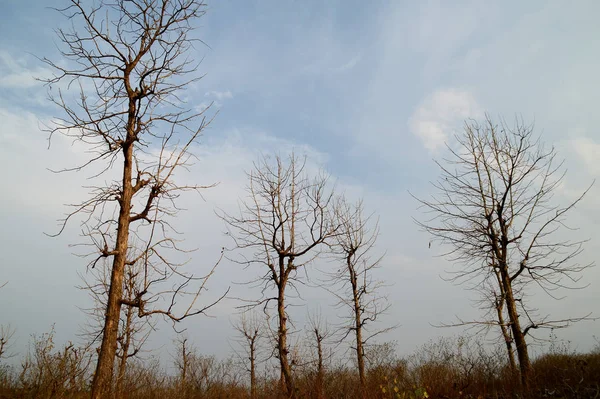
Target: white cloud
(219,95)
(588,151)
(441,113)
(14,73)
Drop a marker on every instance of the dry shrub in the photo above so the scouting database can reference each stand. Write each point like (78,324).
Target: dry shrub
(50,372)
(446,368)
(567,375)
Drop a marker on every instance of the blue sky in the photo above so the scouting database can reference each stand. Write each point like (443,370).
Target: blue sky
(369,90)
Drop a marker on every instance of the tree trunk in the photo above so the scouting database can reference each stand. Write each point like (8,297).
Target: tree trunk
(507,339)
(282,341)
(102,382)
(519,337)
(320,371)
(252,369)
(505,330)
(360,358)
(125,351)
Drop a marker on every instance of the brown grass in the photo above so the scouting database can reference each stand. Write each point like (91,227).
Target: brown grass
(447,368)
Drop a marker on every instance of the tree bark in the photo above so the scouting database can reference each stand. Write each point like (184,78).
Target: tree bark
(102,382)
(253,369)
(125,350)
(500,301)
(320,371)
(519,337)
(360,359)
(282,339)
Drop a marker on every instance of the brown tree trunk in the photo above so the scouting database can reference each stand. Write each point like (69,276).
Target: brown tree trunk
(125,351)
(282,340)
(102,382)
(320,371)
(505,330)
(519,337)
(252,373)
(253,369)
(507,339)
(360,358)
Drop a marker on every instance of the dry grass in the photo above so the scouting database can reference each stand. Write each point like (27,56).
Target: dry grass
(447,368)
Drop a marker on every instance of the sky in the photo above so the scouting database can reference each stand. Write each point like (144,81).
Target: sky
(369,91)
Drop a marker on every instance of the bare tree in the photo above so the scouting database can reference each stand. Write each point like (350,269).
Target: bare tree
(6,334)
(128,61)
(133,329)
(495,201)
(360,294)
(251,330)
(494,297)
(492,300)
(201,376)
(280,227)
(51,371)
(320,332)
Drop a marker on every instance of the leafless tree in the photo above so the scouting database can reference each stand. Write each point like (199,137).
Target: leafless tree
(128,61)
(360,294)
(51,371)
(6,334)
(494,297)
(183,361)
(492,301)
(494,209)
(133,330)
(251,331)
(319,332)
(280,227)
(200,376)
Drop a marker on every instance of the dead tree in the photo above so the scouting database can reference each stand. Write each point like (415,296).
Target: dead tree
(133,330)
(359,293)
(183,363)
(279,228)
(251,330)
(6,335)
(495,200)
(319,331)
(128,62)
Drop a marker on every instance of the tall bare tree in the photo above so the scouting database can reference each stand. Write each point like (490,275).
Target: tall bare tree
(495,200)
(251,331)
(492,300)
(129,62)
(280,227)
(133,329)
(319,332)
(360,293)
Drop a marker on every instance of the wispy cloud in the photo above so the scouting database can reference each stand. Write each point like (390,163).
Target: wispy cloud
(440,114)
(588,151)
(219,95)
(15,74)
